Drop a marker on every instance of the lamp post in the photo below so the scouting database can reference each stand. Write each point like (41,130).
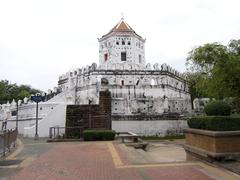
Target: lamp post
(38,98)
(36,132)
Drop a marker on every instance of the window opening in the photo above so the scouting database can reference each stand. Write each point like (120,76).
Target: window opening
(137,82)
(106,57)
(140,58)
(123,56)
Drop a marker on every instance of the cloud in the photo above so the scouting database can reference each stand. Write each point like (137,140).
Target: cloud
(40,40)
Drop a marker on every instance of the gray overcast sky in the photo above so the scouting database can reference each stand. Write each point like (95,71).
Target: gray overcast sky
(40,40)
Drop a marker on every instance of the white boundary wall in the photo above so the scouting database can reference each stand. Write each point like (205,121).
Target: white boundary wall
(151,128)
(27,127)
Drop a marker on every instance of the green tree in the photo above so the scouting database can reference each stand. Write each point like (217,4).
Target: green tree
(13,91)
(22,94)
(218,70)
(4,93)
(193,80)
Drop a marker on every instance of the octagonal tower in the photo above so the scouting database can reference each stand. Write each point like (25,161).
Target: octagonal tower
(121,48)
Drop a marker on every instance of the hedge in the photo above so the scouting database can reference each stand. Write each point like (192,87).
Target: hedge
(98,135)
(215,123)
(217,108)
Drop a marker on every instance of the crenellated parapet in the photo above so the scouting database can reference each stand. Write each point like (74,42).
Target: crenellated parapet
(126,73)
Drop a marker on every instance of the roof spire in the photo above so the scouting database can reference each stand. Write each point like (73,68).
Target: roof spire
(122,19)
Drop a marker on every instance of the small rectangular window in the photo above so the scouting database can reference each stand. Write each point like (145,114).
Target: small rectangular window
(106,57)
(140,58)
(123,56)
(14,113)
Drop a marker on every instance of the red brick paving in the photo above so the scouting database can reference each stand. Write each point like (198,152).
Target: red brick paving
(93,161)
(183,172)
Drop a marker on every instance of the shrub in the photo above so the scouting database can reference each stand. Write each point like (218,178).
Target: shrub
(215,123)
(217,108)
(98,134)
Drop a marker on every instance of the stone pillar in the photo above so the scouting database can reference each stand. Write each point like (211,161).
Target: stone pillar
(105,107)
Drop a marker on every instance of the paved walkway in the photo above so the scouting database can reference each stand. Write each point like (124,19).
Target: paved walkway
(102,160)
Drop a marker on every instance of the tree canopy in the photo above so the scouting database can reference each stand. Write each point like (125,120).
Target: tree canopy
(10,91)
(214,70)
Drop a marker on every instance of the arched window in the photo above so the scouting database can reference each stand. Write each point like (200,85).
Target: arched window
(122,82)
(129,43)
(153,82)
(117,43)
(104,81)
(123,42)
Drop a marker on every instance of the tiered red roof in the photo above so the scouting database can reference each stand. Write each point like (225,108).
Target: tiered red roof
(122,26)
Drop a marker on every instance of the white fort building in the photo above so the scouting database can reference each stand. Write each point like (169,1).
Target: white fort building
(137,89)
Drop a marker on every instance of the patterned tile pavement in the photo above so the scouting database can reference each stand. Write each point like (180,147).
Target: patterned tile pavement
(105,160)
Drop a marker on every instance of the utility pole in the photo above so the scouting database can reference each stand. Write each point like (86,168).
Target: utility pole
(17,117)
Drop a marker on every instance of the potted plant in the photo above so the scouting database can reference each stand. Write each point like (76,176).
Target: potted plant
(215,136)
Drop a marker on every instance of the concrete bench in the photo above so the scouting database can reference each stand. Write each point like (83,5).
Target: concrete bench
(128,135)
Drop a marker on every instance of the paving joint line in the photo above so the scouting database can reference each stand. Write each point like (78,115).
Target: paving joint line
(116,159)
(211,169)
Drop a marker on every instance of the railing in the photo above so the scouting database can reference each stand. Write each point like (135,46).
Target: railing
(57,132)
(7,140)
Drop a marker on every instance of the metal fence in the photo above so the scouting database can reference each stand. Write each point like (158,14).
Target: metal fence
(7,140)
(57,132)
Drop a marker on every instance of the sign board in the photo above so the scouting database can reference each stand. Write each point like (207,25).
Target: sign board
(36,99)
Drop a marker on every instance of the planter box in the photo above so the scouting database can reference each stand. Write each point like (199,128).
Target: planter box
(212,145)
